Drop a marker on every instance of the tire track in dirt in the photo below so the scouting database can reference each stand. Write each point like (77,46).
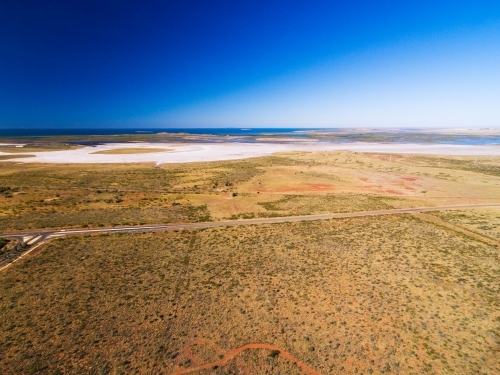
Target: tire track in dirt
(183,280)
(436,220)
(233,353)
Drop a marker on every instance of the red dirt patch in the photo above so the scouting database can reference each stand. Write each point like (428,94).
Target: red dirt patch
(391,191)
(410,178)
(303,187)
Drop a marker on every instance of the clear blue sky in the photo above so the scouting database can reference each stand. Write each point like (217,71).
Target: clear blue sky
(249,63)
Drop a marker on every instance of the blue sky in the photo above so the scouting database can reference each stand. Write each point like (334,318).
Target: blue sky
(249,64)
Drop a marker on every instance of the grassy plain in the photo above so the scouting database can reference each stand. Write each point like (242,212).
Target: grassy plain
(365,295)
(47,195)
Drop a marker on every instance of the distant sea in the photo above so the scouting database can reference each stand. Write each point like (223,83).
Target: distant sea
(334,136)
(19,132)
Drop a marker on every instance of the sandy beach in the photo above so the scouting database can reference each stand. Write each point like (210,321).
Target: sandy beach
(196,152)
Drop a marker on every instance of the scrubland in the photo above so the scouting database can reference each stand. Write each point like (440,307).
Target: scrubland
(45,196)
(367,295)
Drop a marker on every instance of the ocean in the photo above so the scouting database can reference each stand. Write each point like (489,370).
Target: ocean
(325,135)
(51,132)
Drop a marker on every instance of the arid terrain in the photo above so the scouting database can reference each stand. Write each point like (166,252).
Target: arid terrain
(72,195)
(405,293)
(386,294)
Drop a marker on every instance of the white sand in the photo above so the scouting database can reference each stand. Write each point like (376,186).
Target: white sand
(196,152)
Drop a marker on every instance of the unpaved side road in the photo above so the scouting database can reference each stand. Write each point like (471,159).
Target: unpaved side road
(440,222)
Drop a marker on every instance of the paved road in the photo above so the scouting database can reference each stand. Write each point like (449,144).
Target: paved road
(35,238)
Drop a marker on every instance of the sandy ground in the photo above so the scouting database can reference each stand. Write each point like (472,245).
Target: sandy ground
(195,152)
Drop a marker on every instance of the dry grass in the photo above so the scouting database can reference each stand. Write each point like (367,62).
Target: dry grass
(364,295)
(136,150)
(288,184)
(18,156)
(52,196)
(39,148)
(106,216)
(483,221)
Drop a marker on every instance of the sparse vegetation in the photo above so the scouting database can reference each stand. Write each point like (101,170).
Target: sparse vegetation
(483,221)
(391,294)
(290,184)
(19,156)
(310,204)
(367,294)
(99,217)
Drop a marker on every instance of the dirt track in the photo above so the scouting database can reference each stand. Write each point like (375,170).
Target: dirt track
(438,221)
(233,353)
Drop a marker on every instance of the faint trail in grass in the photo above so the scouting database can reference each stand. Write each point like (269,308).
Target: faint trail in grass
(183,280)
(438,221)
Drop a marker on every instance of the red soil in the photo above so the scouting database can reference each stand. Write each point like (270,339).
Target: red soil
(391,191)
(303,187)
